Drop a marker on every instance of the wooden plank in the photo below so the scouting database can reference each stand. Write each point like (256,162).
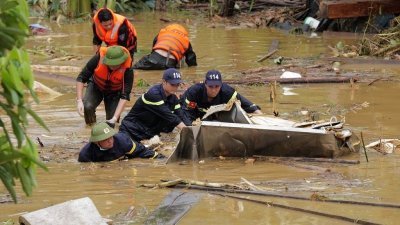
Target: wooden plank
(272,49)
(174,206)
(334,9)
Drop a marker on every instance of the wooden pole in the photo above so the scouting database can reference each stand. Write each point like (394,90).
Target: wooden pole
(333,216)
(264,193)
(267,55)
(305,159)
(365,150)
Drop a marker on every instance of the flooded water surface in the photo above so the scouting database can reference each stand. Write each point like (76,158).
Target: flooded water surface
(370,109)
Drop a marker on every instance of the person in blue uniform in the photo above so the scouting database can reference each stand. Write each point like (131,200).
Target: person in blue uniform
(199,97)
(156,111)
(108,145)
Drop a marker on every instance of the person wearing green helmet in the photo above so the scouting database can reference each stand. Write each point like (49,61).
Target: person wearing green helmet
(108,145)
(109,77)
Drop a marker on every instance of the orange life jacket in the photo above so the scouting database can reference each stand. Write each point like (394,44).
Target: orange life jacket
(113,81)
(111,37)
(174,39)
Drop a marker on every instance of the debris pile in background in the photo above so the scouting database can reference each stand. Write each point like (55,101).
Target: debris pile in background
(385,44)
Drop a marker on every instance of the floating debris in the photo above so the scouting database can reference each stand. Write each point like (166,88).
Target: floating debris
(384,146)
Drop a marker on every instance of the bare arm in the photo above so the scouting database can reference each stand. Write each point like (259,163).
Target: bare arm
(120,108)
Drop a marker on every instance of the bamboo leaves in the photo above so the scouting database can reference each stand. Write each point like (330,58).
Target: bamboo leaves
(18,155)
(13,24)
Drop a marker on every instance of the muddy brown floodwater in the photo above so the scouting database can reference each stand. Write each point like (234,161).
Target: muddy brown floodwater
(372,109)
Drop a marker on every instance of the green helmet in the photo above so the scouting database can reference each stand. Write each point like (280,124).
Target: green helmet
(101,131)
(115,56)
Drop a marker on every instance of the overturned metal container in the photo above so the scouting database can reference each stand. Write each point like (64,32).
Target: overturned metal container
(240,136)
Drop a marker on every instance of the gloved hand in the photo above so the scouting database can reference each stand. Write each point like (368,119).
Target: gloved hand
(79,103)
(112,121)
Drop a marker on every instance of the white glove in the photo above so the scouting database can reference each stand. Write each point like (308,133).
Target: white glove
(112,120)
(80,107)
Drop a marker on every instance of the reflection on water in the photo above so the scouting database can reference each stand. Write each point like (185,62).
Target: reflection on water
(113,186)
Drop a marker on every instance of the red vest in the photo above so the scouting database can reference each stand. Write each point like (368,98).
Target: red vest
(111,37)
(115,79)
(174,39)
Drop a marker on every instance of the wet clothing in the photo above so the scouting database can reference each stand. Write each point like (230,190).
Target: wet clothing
(95,94)
(108,80)
(123,33)
(175,43)
(123,147)
(153,112)
(195,101)
(155,61)
(173,39)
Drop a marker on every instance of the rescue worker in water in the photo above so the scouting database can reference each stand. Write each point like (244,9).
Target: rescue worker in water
(198,98)
(109,77)
(113,29)
(108,145)
(170,46)
(158,110)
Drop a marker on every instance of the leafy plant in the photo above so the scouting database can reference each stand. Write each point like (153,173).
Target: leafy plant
(18,155)
(142,83)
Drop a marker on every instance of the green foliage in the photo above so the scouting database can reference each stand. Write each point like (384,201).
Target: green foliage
(18,155)
(82,8)
(142,83)
(124,6)
(108,3)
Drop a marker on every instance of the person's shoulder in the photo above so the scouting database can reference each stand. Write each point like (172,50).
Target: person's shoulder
(84,154)
(88,146)
(154,93)
(196,87)
(227,87)
(122,136)
(154,90)
(123,139)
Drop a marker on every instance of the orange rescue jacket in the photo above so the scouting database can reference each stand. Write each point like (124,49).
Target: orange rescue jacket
(111,37)
(113,81)
(174,39)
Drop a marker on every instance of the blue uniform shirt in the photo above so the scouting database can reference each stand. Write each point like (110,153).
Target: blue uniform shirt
(152,113)
(195,101)
(123,147)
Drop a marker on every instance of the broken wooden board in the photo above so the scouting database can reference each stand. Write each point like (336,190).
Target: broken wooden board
(272,49)
(335,9)
(174,206)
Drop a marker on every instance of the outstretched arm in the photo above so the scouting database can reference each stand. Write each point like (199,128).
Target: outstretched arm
(190,56)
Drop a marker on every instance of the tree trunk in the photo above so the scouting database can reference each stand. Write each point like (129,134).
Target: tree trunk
(227,8)
(84,7)
(161,5)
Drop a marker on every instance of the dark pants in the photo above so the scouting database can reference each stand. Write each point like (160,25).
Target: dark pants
(137,131)
(93,98)
(155,61)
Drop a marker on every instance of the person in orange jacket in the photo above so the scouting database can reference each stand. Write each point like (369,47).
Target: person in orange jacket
(113,29)
(170,46)
(109,77)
